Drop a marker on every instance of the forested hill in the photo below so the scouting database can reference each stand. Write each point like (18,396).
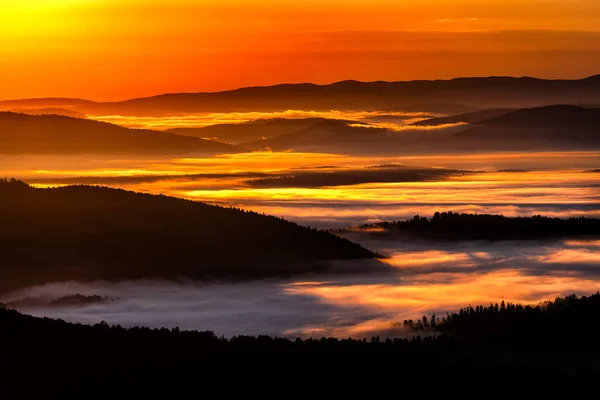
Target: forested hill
(88,233)
(509,342)
(455,226)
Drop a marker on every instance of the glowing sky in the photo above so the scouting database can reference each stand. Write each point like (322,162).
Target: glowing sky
(116,49)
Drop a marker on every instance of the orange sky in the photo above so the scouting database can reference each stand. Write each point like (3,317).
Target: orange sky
(116,49)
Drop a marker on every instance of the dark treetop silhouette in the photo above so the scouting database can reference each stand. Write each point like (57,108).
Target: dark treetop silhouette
(455,226)
(507,341)
(89,233)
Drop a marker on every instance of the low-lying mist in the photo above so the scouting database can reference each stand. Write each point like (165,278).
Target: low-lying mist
(333,191)
(428,277)
(391,119)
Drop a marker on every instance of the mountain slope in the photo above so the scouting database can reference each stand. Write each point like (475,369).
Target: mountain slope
(326,133)
(249,131)
(435,108)
(561,127)
(54,134)
(551,127)
(555,116)
(467,118)
(65,112)
(95,233)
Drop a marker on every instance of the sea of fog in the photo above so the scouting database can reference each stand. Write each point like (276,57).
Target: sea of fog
(425,278)
(554,184)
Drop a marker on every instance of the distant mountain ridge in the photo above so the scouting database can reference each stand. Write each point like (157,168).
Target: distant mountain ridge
(480,92)
(467,118)
(549,127)
(249,131)
(325,133)
(54,134)
(476,92)
(559,127)
(456,226)
(435,108)
(554,116)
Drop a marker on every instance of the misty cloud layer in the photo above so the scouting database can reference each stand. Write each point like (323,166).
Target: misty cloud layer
(428,277)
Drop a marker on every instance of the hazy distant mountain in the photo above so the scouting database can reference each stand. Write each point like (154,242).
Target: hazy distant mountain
(95,233)
(444,96)
(50,102)
(467,118)
(249,131)
(491,92)
(65,112)
(53,134)
(551,127)
(543,128)
(435,108)
(325,133)
(556,116)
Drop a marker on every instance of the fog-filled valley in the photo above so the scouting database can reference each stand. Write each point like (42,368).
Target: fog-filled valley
(327,195)
(302,241)
(426,278)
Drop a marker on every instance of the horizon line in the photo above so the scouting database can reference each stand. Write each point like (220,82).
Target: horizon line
(299,84)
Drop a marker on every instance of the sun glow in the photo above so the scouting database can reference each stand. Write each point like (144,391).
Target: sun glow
(109,49)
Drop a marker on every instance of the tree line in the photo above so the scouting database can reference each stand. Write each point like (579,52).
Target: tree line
(451,225)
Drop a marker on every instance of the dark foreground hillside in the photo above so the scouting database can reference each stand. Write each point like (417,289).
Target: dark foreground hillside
(510,343)
(91,233)
(455,226)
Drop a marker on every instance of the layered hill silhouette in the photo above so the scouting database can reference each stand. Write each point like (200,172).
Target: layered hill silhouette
(559,127)
(550,127)
(249,131)
(95,233)
(435,108)
(352,95)
(490,92)
(46,102)
(474,117)
(555,116)
(49,111)
(332,135)
(55,134)
(455,226)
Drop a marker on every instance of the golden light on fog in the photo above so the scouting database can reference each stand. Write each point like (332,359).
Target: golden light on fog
(461,289)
